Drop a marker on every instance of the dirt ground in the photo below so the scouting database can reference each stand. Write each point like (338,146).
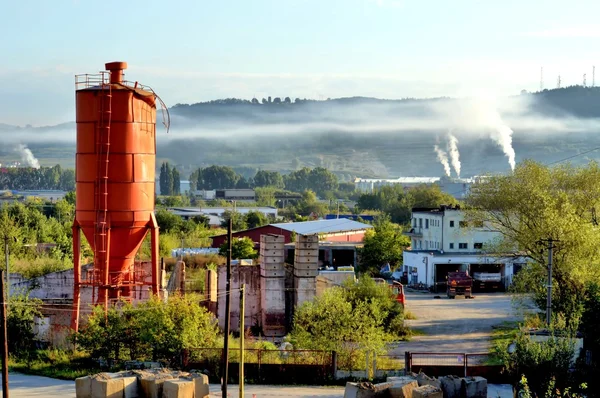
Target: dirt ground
(456,325)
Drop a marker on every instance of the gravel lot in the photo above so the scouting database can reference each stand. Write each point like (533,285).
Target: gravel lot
(456,325)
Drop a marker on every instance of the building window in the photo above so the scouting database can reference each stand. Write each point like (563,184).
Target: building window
(463,224)
(463,246)
(426,223)
(451,224)
(477,245)
(420,223)
(451,245)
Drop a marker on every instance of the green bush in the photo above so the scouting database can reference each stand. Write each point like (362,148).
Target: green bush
(152,330)
(542,363)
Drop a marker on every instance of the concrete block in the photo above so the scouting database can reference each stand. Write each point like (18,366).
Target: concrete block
(201,388)
(402,386)
(107,387)
(131,388)
(178,389)
(427,391)
(451,386)
(425,380)
(474,387)
(83,387)
(152,385)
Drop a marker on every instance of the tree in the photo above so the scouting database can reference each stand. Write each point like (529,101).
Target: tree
(351,320)
(21,313)
(538,202)
(241,248)
(217,177)
(152,330)
(287,100)
(322,180)
(167,221)
(256,219)
(238,220)
(176,182)
(298,181)
(310,205)
(264,178)
(384,244)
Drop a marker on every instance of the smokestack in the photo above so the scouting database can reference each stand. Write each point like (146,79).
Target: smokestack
(116,71)
(454,154)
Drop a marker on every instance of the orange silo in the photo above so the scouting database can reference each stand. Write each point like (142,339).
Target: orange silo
(115,182)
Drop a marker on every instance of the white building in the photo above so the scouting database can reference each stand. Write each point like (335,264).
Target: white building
(442,242)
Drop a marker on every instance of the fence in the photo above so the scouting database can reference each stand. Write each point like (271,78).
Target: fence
(266,366)
(460,364)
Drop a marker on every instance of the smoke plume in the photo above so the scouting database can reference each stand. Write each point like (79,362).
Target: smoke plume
(502,134)
(454,154)
(27,156)
(443,158)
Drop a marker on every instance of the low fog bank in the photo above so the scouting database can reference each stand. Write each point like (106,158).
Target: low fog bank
(359,136)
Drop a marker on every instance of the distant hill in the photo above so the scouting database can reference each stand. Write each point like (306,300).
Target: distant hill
(356,136)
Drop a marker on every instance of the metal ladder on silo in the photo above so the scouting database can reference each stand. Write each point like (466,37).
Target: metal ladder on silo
(103,151)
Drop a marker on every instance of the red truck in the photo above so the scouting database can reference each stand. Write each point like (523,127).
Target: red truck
(459,284)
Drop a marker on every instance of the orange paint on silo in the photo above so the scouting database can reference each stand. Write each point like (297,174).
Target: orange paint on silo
(115,181)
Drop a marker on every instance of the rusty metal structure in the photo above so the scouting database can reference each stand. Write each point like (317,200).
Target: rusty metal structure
(115,184)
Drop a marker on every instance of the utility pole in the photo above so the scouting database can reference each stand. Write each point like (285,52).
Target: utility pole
(4,339)
(225,367)
(550,243)
(7,264)
(549,298)
(242,333)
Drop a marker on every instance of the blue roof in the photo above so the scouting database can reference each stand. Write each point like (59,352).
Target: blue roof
(323,226)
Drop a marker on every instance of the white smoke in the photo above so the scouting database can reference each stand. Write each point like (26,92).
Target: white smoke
(27,156)
(502,134)
(454,154)
(443,158)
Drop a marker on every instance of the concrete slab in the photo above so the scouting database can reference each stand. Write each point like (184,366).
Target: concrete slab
(427,391)
(131,387)
(83,387)
(474,387)
(451,386)
(178,389)
(107,387)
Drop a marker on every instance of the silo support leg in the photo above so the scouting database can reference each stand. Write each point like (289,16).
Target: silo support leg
(76,277)
(156,277)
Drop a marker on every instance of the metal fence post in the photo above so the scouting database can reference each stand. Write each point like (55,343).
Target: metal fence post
(465,363)
(259,360)
(334,364)
(407,362)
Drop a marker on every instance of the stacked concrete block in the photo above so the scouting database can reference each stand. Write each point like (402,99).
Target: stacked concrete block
(272,284)
(366,390)
(306,268)
(425,380)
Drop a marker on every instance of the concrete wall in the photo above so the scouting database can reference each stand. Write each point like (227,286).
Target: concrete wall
(56,292)
(250,275)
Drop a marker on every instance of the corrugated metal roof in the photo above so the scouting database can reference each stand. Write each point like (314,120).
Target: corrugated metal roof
(322,226)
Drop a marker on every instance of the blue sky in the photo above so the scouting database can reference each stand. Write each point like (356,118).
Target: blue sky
(191,51)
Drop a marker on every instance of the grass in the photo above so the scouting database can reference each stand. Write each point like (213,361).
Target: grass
(408,315)
(56,364)
(502,336)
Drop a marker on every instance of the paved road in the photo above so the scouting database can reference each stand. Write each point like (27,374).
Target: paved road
(456,325)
